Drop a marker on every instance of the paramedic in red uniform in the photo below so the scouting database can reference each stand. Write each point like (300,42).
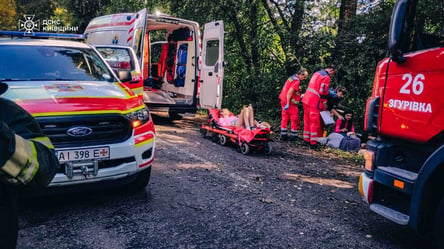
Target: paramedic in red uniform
(314,101)
(290,97)
(27,162)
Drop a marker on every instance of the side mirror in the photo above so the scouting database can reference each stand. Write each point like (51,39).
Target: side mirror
(396,31)
(124,76)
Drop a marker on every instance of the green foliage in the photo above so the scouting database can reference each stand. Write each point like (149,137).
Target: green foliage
(358,51)
(123,6)
(42,9)
(84,11)
(7,15)
(64,16)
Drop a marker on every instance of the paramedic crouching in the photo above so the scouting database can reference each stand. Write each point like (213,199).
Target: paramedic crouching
(27,162)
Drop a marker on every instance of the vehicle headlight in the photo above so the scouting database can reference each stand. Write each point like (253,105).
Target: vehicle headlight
(139,117)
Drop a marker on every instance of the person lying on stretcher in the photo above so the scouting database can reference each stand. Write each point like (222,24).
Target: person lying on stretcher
(244,119)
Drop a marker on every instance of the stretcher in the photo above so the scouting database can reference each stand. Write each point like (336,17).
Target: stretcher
(256,139)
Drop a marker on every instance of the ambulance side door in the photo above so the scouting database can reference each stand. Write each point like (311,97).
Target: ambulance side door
(212,68)
(139,40)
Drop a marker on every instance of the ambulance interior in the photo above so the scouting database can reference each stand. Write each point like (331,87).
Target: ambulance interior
(172,63)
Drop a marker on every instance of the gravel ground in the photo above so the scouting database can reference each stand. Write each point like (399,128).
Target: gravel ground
(204,195)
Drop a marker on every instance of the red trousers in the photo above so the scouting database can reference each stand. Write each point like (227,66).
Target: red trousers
(292,115)
(312,124)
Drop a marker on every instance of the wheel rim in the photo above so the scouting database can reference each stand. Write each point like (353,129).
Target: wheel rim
(222,139)
(244,148)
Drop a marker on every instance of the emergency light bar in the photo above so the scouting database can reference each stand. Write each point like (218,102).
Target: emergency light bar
(43,35)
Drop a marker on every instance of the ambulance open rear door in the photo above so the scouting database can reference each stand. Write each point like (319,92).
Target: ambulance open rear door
(212,68)
(140,42)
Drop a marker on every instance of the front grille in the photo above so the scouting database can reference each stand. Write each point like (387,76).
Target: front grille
(103,164)
(106,129)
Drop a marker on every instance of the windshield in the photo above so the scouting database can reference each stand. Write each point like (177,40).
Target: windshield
(28,63)
(117,58)
(425,29)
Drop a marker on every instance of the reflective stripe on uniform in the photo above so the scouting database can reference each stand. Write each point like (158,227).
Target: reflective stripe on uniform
(43,140)
(31,168)
(294,101)
(13,181)
(313,137)
(306,134)
(19,159)
(313,91)
(23,161)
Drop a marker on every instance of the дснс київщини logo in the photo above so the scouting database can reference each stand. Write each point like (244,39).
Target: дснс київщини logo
(29,24)
(47,25)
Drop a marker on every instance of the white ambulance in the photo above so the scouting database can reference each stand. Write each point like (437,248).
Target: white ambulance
(178,73)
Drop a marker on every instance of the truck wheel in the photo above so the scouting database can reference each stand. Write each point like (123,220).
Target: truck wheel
(438,233)
(174,115)
(244,148)
(223,140)
(141,180)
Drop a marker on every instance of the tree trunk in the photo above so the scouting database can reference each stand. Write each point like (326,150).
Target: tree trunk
(347,11)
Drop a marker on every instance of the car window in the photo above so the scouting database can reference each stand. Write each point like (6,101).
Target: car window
(117,58)
(48,63)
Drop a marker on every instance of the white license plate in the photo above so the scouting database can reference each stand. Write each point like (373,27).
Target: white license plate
(83,154)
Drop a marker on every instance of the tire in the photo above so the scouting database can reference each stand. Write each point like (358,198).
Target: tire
(174,115)
(223,140)
(142,179)
(244,148)
(438,231)
(268,149)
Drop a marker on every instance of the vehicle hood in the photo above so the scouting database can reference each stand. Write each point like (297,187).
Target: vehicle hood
(49,98)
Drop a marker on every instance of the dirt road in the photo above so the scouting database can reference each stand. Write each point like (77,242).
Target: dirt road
(204,195)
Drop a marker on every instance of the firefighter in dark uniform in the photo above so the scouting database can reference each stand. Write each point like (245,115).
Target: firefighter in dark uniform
(27,162)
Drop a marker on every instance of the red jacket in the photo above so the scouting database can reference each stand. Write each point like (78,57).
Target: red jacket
(292,82)
(317,89)
(343,123)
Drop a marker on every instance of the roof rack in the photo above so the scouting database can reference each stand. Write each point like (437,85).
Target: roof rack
(42,35)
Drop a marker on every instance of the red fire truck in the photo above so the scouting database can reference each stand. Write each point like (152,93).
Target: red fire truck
(404,166)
